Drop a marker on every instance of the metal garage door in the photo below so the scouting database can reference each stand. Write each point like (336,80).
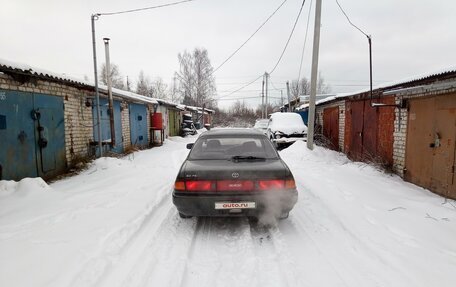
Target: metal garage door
(106,127)
(138,125)
(430,148)
(331,126)
(32,135)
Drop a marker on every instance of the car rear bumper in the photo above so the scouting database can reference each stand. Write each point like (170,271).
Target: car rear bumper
(289,140)
(277,202)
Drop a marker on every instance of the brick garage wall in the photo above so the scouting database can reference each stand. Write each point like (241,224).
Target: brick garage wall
(399,139)
(341,125)
(348,127)
(150,109)
(319,119)
(125,116)
(78,117)
(400,129)
(385,131)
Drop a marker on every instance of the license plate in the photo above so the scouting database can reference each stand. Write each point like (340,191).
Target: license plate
(235,205)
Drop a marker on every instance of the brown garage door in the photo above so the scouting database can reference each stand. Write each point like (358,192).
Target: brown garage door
(357,119)
(331,126)
(430,155)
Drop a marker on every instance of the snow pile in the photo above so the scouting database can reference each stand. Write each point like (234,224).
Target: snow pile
(23,187)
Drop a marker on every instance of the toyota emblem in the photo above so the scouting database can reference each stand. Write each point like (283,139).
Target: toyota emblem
(235,175)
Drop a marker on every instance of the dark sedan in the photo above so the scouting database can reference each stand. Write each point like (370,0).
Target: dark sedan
(234,172)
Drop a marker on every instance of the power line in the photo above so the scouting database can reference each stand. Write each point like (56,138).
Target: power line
(289,38)
(305,40)
(251,36)
(142,9)
(244,86)
(248,97)
(349,21)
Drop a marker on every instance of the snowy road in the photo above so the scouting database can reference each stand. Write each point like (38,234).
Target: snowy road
(115,225)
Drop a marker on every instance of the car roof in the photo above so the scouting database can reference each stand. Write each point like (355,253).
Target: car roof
(232,132)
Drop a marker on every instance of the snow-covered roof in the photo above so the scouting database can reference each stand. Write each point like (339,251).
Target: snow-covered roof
(26,69)
(394,84)
(169,103)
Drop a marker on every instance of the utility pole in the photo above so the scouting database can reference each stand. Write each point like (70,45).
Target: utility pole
(281,97)
(262,100)
(266,75)
(111,104)
(313,78)
(288,95)
(97,95)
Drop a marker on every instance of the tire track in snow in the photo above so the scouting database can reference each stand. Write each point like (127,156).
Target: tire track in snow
(163,261)
(273,258)
(114,244)
(222,255)
(347,248)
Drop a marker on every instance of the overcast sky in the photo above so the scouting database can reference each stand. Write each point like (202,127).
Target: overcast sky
(409,37)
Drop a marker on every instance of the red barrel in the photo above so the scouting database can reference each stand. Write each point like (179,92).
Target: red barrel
(156,121)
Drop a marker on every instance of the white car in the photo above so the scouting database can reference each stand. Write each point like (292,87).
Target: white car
(286,128)
(261,125)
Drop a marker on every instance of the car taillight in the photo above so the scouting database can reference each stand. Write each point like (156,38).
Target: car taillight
(271,184)
(235,185)
(290,183)
(199,185)
(179,185)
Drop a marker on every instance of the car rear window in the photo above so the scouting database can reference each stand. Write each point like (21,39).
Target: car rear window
(227,147)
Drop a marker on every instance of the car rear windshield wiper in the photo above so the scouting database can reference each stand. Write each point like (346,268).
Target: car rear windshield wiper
(241,157)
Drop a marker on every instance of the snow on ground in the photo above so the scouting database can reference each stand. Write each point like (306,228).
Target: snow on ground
(114,225)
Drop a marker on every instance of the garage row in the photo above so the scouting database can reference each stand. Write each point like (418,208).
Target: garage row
(407,127)
(48,122)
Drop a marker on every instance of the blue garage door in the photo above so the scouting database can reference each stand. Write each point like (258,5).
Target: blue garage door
(32,135)
(105,125)
(138,125)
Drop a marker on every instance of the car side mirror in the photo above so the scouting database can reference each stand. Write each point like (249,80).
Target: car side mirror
(190,145)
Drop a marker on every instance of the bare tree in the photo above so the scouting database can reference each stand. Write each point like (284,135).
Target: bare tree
(322,87)
(173,94)
(196,82)
(116,77)
(299,88)
(143,86)
(159,89)
(302,87)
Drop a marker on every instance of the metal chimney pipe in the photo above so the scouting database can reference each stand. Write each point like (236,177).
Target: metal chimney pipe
(111,104)
(97,97)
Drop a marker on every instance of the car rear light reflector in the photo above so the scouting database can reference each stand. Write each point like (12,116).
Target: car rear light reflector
(179,185)
(235,185)
(199,185)
(290,183)
(271,184)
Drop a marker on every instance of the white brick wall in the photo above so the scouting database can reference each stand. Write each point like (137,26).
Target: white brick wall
(399,138)
(125,116)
